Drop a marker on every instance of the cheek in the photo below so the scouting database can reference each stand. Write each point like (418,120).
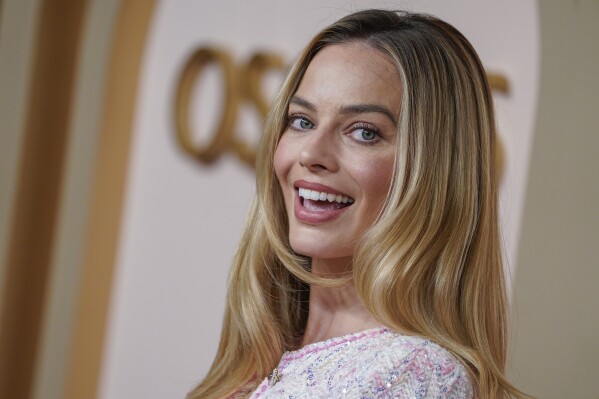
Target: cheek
(283,161)
(279,162)
(374,178)
(375,181)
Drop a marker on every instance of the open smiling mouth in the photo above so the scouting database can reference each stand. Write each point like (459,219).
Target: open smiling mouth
(320,201)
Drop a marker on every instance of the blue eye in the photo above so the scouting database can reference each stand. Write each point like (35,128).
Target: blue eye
(300,123)
(368,135)
(365,134)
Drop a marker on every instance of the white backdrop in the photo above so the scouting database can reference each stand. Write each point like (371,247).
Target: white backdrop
(182,220)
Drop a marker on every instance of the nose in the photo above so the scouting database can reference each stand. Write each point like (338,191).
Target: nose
(319,152)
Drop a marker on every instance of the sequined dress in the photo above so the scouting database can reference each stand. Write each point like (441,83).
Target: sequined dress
(376,363)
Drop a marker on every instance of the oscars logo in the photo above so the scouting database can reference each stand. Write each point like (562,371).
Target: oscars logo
(242,84)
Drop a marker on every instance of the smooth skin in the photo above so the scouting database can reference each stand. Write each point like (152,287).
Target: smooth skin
(341,133)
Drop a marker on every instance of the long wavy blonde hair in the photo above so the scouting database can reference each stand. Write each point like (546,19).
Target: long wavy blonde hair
(431,264)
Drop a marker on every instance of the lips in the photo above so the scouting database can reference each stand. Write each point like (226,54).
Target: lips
(316,203)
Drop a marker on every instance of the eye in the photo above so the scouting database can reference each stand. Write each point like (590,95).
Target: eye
(299,122)
(365,134)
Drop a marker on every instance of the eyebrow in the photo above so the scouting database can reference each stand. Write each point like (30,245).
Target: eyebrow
(348,109)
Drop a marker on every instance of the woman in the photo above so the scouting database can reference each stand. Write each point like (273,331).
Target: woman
(370,265)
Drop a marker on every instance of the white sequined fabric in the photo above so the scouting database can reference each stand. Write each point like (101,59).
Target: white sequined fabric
(376,363)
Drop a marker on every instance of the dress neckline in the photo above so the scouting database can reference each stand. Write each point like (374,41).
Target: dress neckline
(347,339)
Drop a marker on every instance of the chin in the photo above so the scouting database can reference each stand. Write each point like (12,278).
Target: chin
(319,249)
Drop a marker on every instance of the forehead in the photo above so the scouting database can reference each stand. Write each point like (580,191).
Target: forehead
(351,73)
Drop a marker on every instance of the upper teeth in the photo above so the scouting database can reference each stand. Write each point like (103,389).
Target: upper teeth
(322,196)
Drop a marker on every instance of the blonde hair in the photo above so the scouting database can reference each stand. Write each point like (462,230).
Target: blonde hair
(431,265)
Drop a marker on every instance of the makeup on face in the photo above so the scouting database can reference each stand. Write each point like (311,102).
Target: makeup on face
(336,158)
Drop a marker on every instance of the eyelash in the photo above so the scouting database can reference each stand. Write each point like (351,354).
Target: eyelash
(363,126)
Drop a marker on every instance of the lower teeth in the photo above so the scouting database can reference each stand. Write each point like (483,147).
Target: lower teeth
(312,205)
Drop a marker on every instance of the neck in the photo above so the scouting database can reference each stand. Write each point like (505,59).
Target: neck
(335,311)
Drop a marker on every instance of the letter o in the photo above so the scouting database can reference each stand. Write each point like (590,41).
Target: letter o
(222,138)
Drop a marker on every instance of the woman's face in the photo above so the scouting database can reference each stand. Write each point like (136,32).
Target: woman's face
(336,157)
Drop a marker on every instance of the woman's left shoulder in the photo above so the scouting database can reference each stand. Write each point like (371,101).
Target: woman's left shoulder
(404,366)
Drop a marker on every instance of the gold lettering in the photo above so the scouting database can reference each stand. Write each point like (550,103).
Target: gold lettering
(498,82)
(221,138)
